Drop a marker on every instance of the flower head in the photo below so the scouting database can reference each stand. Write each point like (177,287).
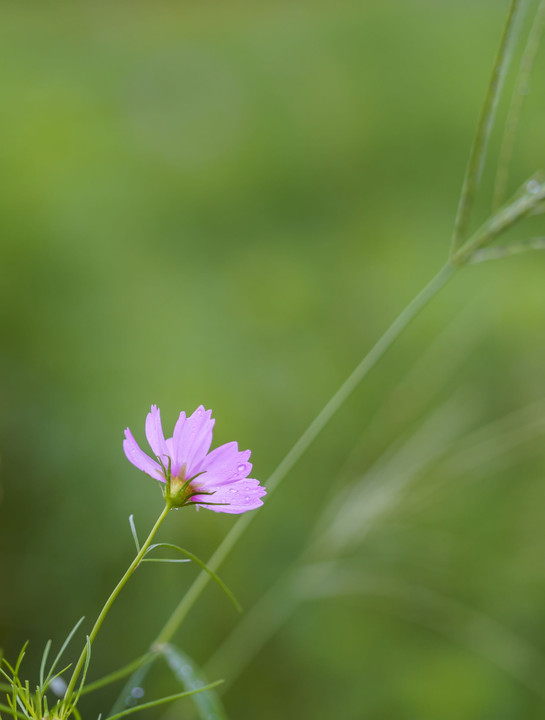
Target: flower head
(216,480)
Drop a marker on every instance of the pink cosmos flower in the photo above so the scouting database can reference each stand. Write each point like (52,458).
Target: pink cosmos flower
(216,480)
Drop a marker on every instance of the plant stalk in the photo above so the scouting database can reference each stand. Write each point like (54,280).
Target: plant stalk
(110,601)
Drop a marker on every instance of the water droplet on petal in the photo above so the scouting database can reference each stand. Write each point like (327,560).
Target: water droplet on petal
(241,468)
(247,498)
(232,490)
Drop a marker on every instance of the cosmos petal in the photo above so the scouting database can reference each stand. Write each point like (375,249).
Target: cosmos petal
(220,476)
(225,464)
(193,440)
(154,433)
(235,498)
(139,458)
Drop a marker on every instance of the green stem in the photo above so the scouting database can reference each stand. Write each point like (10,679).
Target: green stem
(519,92)
(310,434)
(109,602)
(484,126)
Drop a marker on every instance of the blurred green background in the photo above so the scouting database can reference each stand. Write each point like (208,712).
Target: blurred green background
(227,204)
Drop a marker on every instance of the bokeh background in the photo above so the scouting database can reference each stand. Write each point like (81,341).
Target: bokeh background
(227,204)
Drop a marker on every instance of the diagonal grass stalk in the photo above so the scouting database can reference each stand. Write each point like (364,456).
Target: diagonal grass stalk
(306,439)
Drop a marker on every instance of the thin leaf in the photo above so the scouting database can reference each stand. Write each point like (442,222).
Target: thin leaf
(162,701)
(208,704)
(44,660)
(133,531)
(56,675)
(11,711)
(63,648)
(84,673)
(19,659)
(195,559)
(166,560)
(6,663)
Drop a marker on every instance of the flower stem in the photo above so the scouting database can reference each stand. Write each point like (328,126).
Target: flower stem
(109,602)
(310,434)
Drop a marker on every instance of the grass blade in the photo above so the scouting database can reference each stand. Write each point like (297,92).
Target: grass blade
(519,92)
(44,660)
(12,712)
(208,704)
(484,127)
(63,648)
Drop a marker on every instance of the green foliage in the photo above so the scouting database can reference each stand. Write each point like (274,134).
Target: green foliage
(233,216)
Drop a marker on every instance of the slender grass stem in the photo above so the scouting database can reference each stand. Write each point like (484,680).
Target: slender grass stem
(484,127)
(347,388)
(519,92)
(109,602)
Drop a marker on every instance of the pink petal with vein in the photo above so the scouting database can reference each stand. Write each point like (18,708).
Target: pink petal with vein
(237,497)
(194,440)
(154,434)
(225,464)
(139,458)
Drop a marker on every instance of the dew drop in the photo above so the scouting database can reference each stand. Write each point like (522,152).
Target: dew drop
(138,692)
(241,468)
(232,490)
(58,686)
(533,186)
(247,498)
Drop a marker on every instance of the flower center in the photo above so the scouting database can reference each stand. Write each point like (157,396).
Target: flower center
(179,490)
